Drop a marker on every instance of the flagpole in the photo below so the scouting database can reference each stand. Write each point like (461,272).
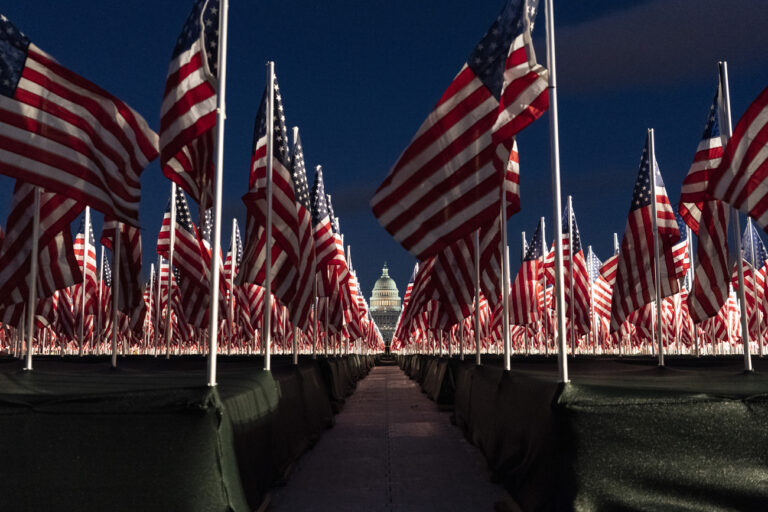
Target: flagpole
(315,322)
(86,239)
(478,361)
(656,258)
(570,276)
(554,144)
(504,250)
(690,282)
(156,292)
(522,257)
(169,291)
(591,303)
(233,249)
(726,135)
(100,287)
(115,287)
(545,313)
(754,291)
(31,305)
(266,323)
(148,319)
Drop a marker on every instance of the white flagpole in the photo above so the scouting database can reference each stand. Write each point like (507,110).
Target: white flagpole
(86,240)
(115,287)
(100,305)
(726,135)
(315,321)
(266,322)
(522,256)
(656,257)
(148,319)
(156,293)
(759,317)
(169,290)
(478,361)
(570,276)
(554,144)
(592,304)
(504,280)
(221,115)
(233,249)
(32,304)
(545,313)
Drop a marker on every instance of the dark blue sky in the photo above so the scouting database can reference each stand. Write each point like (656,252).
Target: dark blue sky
(358,78)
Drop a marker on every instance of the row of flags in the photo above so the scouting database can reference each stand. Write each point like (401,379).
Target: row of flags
(446,191)
(73,146)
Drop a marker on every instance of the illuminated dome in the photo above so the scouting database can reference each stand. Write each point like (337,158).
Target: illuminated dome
(385,296)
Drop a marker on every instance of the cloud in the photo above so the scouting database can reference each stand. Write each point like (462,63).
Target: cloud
(660,42)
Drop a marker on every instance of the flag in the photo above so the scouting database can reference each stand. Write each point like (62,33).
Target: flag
(635,275)
(708,155)
(130,297)
(711,273)
(740,179)
(523,300)
(85,294)
(57,265)
(63,133)
(285,221)
(327,251)
(446,183)
(188,112)
(601,290)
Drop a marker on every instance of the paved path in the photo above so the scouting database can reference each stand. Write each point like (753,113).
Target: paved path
(390,450)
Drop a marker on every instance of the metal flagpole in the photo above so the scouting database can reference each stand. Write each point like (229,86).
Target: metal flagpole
(572,322)
(86,240)
(461,340)
(554,144)
(270,121)
(315,322)
(727,131)
(325,338)
(656,257)
(100,303)
(545,313)
(221,115)
(592,304)
(32,304)
(169,291)
(522,257)
(148,319)
(157,301)
(295,346)
(115,287)
(690,281)
(504,280)
(620,338)
(478,361)
(754,290)
(232,282)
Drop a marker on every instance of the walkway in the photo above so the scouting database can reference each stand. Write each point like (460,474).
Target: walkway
(390,450)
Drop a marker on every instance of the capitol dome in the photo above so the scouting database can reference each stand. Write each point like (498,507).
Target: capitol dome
(385,295)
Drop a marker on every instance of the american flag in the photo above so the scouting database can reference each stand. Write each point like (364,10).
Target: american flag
(328,250)
(708,155)
(754,268)
(188,112)
(739,180)
(301,305)
(231,265)
(61,132)
(601,289)
(446,183)
(57,265)
(523,300)
(285,221)
(711,273)
(453,278)
(580,285)
(85,295)
(635,277)
(130,299)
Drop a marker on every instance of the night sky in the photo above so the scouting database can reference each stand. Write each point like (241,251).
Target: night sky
(358,78)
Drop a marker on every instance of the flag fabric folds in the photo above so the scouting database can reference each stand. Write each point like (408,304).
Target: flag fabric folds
(63,133)
(446,183)
(523,303)
(635,281)
(188,112)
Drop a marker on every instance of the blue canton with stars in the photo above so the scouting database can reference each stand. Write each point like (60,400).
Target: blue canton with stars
(641,195)
(317,197)
(299,175)
(536,247)
(13,56)
(576,237)
(593,266)
(238,246)
(183,217)
(280,133)
(207,229)
(334,220)
(107,269)
(753,248)
(712,128)
(202,24)
(682,227)
(488,59)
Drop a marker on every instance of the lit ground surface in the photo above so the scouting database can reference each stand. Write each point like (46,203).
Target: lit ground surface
(390,450)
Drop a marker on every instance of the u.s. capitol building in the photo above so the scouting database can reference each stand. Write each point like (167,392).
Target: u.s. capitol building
(385,305)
